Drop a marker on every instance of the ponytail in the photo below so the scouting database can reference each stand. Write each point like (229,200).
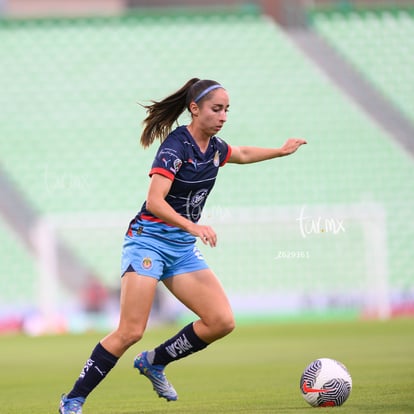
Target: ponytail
(161,115)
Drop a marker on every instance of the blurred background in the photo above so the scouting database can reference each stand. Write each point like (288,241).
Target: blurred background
(326,233)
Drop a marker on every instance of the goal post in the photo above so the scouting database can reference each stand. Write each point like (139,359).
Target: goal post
(273,261)
(302,260)
(43,237)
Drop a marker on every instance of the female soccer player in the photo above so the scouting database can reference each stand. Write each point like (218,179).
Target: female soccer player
(160,243)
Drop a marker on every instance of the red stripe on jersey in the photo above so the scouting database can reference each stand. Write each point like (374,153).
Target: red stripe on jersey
(153,219)
(162,172)
(227,156)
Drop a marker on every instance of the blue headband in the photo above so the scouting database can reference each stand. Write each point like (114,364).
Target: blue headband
(206,91)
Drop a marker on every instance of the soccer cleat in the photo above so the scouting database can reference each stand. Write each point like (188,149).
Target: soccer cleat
(155,373)
(71,405)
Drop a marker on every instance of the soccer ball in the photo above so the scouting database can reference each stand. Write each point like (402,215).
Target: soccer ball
(325,382)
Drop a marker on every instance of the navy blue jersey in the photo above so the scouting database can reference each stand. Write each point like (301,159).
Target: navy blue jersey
(192,172)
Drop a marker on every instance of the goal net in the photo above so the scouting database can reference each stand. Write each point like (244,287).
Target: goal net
(303,260)
(297,261)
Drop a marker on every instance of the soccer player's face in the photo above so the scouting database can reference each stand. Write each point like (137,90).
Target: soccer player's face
(213,111)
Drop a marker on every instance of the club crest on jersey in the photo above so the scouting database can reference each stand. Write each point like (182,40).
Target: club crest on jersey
(216,159)
(177,164)
(146,263)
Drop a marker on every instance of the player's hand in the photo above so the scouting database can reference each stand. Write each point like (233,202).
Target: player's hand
(291,145)
(206,234)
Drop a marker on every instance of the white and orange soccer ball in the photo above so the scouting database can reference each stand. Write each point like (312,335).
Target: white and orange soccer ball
(325,382)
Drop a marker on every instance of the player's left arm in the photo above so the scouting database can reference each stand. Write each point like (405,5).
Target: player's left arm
(248,155)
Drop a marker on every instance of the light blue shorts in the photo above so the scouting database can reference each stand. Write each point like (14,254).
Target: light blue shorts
(159,251)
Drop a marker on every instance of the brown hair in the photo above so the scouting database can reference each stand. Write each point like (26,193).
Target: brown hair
(161,115)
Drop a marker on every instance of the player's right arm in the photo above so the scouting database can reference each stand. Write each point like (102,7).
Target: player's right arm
(155,203)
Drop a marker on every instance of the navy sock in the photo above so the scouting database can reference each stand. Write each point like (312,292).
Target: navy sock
(94,371)
(186,342)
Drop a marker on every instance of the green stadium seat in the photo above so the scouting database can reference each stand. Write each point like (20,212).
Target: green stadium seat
(18,273)
(379,44)
(71,122)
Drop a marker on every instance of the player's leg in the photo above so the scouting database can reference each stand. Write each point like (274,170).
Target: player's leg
(202,293)
(137,293)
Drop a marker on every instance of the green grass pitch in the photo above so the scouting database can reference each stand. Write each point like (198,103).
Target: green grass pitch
(256,369)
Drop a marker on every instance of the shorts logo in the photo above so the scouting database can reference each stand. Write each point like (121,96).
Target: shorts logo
(147,263)
(197,253)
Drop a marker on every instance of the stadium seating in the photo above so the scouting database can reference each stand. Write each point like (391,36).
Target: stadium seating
(379,44)
(18,273)
(71,122)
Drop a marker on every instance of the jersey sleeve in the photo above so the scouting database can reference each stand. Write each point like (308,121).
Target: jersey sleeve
(225,151)
(168,160)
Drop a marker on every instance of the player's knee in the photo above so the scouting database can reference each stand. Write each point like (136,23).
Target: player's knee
(136,336)
(231,325)
(225,325)
(131,337)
